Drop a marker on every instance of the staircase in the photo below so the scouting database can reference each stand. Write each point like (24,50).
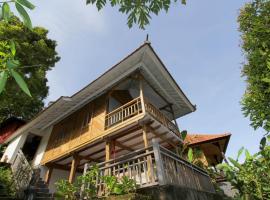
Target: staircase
(39,191)
(27,180)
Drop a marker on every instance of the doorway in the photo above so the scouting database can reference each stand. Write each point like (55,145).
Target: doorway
(30,146)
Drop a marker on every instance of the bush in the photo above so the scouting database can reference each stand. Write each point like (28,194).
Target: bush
(6,183)
(252,177)
(114,186)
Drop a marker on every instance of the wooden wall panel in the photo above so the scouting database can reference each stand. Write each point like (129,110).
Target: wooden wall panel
(68,134)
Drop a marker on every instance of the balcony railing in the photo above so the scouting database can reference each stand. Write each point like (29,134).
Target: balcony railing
(134,108)
(155,165)
(157,114)
(123,113)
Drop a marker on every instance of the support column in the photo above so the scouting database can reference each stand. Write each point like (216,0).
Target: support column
(141,94)
(48,174)
(149,159)
(74,164)
(108,155)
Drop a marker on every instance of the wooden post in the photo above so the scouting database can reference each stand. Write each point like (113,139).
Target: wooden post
(141,94)
(48,174)
(159,163)
(175,122)
(74,164)
(149,159)
(108,149)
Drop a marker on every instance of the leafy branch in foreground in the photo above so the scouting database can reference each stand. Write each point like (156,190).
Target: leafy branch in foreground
(138,11)
(8,63)
(250,178)
(253,22)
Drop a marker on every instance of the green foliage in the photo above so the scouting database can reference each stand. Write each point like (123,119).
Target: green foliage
(8,64)
(90,178)
(29,62)
(65,190)
(20,6)
(116,187)
(251,177)
(6,186)
(254,21)
(139,12)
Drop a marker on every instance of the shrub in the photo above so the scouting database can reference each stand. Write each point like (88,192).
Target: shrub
(252,177)
(6,182)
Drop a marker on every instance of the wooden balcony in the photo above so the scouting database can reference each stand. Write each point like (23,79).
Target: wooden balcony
(155,165)
(135,107)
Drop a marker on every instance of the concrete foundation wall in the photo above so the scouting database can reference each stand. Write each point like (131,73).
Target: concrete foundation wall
(171,192)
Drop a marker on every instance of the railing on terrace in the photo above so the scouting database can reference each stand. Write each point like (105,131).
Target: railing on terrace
(134,108)
(123,113)
(155,165)
(156,113)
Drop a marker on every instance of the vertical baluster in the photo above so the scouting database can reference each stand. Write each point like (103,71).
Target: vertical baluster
(145,169)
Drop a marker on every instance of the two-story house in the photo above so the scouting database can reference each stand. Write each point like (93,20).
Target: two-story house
(125,121)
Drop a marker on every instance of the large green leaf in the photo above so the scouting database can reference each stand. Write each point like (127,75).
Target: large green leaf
(184,134)
(24,15)
(235,163)
(18,78)
(190,155)
(248,156)
(26,4)
(11,64)
(240,152)
(266,80)
(12,47)
(5,11)
(3,80)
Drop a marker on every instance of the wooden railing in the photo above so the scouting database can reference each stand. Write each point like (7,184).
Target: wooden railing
(157,114)
(180,172)
(155,165)
(132,109)
(123,113)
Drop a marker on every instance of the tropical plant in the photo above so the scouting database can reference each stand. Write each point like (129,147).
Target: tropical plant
(250,178)
(255,33)
(89,178)
(65,190)
(36,54)
(114,186)
(6,182)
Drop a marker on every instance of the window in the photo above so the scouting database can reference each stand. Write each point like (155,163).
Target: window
(87,119)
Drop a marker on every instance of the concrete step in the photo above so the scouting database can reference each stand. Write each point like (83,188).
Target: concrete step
(43,190)
(42,194)
(44,198)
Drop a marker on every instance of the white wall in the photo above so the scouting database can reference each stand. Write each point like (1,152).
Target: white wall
(42,146)
(13,148)
(58,174)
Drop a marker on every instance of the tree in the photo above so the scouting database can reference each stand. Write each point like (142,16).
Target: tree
(254,25)
(138,11)
(36,54)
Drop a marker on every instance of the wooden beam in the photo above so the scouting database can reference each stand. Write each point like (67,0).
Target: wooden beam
(74,164)
(122,146)
(48,174)
(175,122)
(162,137)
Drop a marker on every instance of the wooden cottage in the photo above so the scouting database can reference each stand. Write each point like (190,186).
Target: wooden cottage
(124,121)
